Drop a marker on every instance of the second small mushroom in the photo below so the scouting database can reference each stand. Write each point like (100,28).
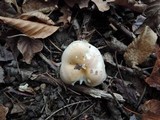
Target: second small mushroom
(82,61)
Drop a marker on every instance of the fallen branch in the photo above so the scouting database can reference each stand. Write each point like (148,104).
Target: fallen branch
(93,92)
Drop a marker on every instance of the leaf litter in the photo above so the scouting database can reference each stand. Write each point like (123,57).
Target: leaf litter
(40,30)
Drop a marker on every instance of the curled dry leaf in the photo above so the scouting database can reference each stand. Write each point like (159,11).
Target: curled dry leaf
(39,5)
(30,28)
(81,3)
(3,112)
(141,47)
(154,79)
(39,16)
(28,47)
(102,4)
(151,110)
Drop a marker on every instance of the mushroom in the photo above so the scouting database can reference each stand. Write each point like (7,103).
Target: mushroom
(82,61)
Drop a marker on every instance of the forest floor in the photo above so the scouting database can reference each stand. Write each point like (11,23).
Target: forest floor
(33,37)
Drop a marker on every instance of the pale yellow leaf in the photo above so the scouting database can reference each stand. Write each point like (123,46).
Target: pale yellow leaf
(28,47)
(141,47)
(30,28)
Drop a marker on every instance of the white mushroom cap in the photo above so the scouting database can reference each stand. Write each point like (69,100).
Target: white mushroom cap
(82,61)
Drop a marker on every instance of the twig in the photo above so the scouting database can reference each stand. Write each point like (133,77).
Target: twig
(141,73)
(55,45)
(118,104)
(113,44)
(84,101)
(140,99)
(84,111)
(53,65)
(119,72)
(121,27)
(131,111)
(96,93)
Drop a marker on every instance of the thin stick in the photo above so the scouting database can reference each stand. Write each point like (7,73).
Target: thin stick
(55,46)
(84,111)
(53,66)
(84,101)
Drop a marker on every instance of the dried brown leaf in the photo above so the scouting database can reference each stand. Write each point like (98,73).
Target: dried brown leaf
(81,3)
(30,28)
(14,2)
(152,106)
(151,110)
(3,112)
(153,16)
(102,4)
(150,116)
(28,47)
(6,9)
(132,4)
(152,8)
(141,47)
(39,5)
(154,79)
(38,16)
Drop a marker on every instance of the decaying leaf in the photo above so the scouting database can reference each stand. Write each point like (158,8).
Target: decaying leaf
(1,75)
(30,28)
(141,47)
(66,17)
(14,2)
(153,16)
(6,9)
(125,2)
(102,4)
(5,55)
(132,4)
(3,112)
(38,16)
(39,5)
(150,116)
(18,108)
(12,44)
(28,47)
(154,79)
(81,3)
(151,110)
(25,88)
